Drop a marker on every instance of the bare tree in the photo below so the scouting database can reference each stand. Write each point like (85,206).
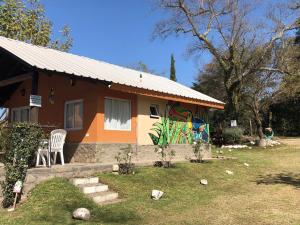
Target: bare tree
(257,94)
(227,30)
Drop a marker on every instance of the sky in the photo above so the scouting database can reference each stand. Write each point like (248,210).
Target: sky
(119,32)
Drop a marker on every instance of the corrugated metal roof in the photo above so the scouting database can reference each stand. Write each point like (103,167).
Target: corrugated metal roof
(54,60)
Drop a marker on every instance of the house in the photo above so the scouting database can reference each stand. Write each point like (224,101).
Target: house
(102,106)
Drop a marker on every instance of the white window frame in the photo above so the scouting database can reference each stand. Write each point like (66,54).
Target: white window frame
(157,110)
(120,99)
(17,109)
(65,114)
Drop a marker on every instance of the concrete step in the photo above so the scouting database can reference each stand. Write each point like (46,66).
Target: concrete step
(102,197)
(93,188)
(88,180)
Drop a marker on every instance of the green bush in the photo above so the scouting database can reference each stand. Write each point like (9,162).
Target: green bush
(232,135)
(21,144)
(3,132)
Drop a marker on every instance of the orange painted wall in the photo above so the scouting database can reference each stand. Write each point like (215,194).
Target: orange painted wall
(92,94)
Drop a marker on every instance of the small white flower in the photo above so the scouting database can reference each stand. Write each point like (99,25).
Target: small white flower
(194,142)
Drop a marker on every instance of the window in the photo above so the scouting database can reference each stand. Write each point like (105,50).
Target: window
(154,112)
(74,115)
(21,114)
(117,114)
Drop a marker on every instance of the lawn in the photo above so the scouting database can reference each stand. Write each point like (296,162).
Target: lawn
(266,192)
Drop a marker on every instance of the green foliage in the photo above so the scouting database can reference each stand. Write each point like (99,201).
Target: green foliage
(3,134)
(124,160)
(172,69)
(285,117)
(232,135)
(25,20)
(198,147)
(163,132)
(21,145)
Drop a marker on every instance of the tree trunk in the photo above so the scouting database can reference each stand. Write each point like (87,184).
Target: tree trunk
(257,119)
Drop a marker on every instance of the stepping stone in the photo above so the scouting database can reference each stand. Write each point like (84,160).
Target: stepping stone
(93,188)
(104,196)
(89,180)
(98,192)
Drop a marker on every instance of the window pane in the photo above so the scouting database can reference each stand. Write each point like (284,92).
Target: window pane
(124,115)
(15,116)
(24,115)
(117,114)
(69,116)
(78,115)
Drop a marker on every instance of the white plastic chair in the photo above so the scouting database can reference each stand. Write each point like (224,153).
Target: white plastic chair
(55,145)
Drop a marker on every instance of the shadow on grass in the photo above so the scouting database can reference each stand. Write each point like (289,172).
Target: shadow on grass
(280,178)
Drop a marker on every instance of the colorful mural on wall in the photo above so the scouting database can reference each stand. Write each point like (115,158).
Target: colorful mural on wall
(180,126)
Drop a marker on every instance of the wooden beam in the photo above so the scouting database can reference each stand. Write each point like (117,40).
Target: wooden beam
(16,79)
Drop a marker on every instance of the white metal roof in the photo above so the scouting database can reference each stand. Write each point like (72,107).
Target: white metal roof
(54,60)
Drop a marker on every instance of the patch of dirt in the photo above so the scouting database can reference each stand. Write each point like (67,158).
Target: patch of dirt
(291,141)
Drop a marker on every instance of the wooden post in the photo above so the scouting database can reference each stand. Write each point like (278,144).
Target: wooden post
(34,111)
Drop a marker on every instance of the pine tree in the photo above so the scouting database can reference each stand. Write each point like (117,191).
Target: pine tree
(172,69)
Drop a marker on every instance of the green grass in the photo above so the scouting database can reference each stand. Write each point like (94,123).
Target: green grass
(264,193)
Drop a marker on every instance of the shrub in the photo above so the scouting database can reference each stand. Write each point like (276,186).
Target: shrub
(21,145)
(166,154)
(124,160)
(198,147)
(232,135)
(3,133)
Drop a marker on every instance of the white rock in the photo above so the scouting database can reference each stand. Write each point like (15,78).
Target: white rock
(156,194)
(115,168)
(229,172)
(82,214)
(250,147)
(230,150)
(203,181)
(246,164)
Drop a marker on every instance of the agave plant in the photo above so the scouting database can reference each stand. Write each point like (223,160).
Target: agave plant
(162,130)
(171,132)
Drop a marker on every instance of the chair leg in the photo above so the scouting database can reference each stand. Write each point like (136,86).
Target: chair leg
(44,160)
(49,158)
(55,157)
(37,159)
(62,158)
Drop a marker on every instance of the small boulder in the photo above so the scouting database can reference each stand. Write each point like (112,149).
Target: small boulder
(203,182)
(229,172)
(115,168)
(156,194)
(82,214)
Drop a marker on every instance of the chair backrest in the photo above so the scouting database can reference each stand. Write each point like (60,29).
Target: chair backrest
(57,140)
